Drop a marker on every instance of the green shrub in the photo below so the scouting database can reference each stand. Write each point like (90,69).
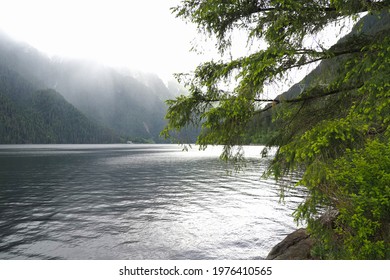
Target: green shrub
(361,182)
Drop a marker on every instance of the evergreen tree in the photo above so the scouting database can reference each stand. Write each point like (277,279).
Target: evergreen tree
(336,131)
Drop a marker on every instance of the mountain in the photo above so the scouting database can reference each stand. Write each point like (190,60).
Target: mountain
(324,73)
(262,129)
(132,106)
(31,115)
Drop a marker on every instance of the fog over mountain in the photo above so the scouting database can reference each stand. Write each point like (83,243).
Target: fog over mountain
(129,103)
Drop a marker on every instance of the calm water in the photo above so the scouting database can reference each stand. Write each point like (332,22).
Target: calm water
(136,202)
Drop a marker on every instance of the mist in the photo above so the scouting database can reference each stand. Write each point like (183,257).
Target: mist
(132,103)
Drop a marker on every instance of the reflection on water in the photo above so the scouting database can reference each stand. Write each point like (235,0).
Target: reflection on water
(136,202)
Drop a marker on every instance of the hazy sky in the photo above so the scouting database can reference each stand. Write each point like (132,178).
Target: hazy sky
(139,34)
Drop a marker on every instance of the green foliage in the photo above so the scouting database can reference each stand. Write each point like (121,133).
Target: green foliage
(360,181)
(335,132)
(339,154)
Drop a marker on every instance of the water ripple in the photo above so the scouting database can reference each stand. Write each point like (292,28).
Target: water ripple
(136,202)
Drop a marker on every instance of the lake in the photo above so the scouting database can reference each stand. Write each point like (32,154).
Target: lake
(137,202)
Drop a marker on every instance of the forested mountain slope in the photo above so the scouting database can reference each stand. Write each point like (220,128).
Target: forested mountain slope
(30,115)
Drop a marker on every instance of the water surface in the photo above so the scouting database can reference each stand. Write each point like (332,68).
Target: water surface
(136,202)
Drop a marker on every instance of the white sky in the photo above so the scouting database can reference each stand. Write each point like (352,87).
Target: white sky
(138,34)
(141,35)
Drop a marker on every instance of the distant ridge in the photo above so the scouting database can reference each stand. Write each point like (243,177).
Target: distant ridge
(261,130)
(109,105)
